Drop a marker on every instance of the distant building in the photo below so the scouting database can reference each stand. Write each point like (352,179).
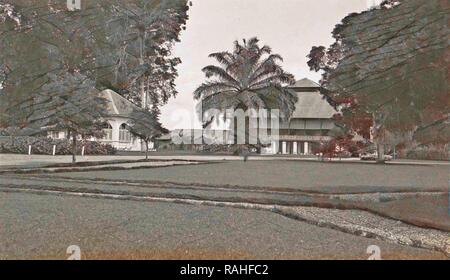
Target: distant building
(309,124)
(373,3)
(115,126)
(192,139)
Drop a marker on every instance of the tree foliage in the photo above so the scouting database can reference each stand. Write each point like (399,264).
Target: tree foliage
(142,35)
(389,64)
(52,59)
(112,43)
(249,77)
(146,126)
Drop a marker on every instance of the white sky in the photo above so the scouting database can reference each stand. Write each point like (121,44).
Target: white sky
(290,27)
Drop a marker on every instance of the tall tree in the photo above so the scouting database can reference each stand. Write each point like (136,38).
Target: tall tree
(109,43)
(121,45)
(50,54)
(69,103)
(144,34)
(146,126)
(250,77)
(391,63)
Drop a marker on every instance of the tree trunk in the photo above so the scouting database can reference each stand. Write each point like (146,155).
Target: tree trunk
(380,152)
(142,82)
(378,136)
(74,148)
(146,150)
(13,140)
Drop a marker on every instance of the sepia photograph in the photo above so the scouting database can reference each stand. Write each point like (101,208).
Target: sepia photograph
(230,136)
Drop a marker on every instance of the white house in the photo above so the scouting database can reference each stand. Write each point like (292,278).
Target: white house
(115,126)
(309,125)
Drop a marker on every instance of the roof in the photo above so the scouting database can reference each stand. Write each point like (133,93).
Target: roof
(311,104)
(165,137)
(305,83)
(117,106)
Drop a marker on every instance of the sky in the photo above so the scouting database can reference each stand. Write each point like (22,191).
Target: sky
(289,27)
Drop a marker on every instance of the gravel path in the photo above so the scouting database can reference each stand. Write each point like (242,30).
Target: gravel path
(370,225)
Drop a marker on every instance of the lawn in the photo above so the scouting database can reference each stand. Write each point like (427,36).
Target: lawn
(316,176)
(428,210)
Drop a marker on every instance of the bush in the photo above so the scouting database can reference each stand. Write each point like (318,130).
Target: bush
(44,146)
(429,153)
(341,147)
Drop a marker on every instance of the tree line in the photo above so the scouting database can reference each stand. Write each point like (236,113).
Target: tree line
(53,62)
(387,73)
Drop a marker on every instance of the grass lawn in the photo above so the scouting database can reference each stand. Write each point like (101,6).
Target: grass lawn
(424,210)
(317,176)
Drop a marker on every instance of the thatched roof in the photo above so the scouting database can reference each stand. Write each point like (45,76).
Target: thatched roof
(311,104)
(117,106)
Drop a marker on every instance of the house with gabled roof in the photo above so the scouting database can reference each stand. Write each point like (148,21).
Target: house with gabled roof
(115,126)
(309,125)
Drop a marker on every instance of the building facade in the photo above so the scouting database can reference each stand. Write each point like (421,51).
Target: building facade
(115,124)
(309,125)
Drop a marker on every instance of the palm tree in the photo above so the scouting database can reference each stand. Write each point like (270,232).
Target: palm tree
(248,78)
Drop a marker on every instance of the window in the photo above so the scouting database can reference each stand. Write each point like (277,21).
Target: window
(107,129)
(124,134)
(54,134)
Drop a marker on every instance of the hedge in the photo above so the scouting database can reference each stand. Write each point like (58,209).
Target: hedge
(44,146)
(429,153)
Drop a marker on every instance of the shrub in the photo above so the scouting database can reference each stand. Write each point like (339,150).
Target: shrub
(343,147)
(44,146)
(429,153)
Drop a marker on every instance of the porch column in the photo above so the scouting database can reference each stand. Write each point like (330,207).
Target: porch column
(283,148)
(115,133)
(274,147)
(294,148)
(306,148)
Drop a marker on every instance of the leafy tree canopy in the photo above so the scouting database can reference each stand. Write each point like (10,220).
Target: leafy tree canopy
(389,64)
(113,44)
(145,125)
(248,77)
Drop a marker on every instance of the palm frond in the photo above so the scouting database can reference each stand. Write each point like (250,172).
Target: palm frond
(223,101)
(251,99)
(266,66)
(281,98)
(247,79)
(237,47)
(252,42)
(213,87)
(273,80)
(224,58)
(220,73)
